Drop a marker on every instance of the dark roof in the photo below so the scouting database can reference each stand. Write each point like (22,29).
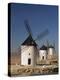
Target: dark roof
(43,47)
(51,46)
(29,41)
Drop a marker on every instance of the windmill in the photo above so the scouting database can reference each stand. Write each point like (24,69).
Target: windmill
(51,50)
(29,47)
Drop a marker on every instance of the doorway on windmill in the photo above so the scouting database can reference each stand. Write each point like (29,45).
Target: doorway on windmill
(29,61)
(43,57)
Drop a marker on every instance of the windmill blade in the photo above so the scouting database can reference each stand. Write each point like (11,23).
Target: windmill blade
(42,35)
(28,27)
(54,44)
(47,43)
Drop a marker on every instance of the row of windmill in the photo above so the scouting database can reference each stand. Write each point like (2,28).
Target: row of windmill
(30,50)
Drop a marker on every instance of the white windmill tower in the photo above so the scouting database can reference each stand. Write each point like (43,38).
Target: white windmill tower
(43,49)
(51,51)
(43,53)
(29,50)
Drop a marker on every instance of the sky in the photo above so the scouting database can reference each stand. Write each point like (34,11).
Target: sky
(39,18)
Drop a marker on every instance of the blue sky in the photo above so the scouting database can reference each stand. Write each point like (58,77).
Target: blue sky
(39,17)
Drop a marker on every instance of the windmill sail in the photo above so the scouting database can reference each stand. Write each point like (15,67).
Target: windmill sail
(28,27)
(42,35)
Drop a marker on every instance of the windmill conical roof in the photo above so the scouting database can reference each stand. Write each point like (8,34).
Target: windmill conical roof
(43,47)
(29,41)
(51,46)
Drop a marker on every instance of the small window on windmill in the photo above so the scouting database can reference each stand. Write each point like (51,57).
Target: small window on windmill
(29,53)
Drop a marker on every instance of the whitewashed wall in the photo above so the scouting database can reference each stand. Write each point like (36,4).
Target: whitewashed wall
(42,53)
(50,51)
(25,50)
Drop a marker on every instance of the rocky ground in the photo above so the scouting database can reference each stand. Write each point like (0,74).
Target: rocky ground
(17,70)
